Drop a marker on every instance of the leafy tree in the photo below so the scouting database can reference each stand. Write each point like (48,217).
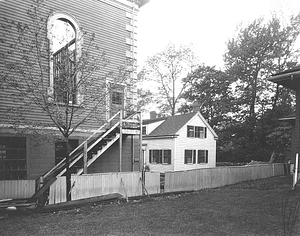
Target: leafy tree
(210,89)
(145,97)
(166,69)
(259,50)
(79,94)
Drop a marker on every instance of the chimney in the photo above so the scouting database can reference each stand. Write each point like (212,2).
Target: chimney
(153,114)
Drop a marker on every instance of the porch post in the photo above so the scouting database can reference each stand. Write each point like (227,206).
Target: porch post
(85,158)
(297,124)
(120,140)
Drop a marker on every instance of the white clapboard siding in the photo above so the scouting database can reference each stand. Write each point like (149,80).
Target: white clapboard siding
(16,189)
(183,143)
(167,143)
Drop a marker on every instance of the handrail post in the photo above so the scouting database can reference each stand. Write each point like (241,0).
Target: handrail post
(85,157)
(142,165)
(120,140)
(296,171)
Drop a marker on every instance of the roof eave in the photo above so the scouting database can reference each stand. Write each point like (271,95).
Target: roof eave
(287,79)
(143,2)
(146,137)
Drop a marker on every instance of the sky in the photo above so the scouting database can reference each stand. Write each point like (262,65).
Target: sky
(205,24)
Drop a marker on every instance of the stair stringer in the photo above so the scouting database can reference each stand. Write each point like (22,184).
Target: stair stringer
(90,147)
(100,152)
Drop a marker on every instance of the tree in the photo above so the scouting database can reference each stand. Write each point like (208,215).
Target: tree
(145,97)
(259,50)
(210,88)
(80,79)
(166,69)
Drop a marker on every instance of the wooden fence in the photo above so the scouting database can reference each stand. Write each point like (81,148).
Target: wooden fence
(16,189)
(130,184)
(91,185)
(219,176)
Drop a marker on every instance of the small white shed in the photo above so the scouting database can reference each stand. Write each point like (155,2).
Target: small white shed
(180,142)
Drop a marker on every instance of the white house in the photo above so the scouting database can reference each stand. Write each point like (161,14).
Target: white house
(180,142)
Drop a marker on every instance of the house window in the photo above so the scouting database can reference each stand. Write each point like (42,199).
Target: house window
(189,156)
(196,131)
(144,130)
(166,157)
(12,158)
(190,131)
(63,34)
(160,156)
(61,148)
(117,98)
(202,156)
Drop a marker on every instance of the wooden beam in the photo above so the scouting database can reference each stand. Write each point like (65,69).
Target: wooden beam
(80,202)
(120,141)
(41,191)
(85,158)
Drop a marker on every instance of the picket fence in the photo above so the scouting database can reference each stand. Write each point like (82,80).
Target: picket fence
(15,189)
(130,184)
(217,177)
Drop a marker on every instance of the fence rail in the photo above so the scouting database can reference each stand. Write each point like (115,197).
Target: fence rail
(130,184)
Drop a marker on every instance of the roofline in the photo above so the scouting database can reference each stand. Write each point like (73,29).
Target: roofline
(170,136)
(291,118)
(280,77)
(207,125)
(143,2)
(151,121)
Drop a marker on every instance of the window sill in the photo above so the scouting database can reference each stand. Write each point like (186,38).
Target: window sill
(65,105)
(165,164)
(197,137)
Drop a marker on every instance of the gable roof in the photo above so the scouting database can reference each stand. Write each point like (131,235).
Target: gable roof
(172,124)
(151,121)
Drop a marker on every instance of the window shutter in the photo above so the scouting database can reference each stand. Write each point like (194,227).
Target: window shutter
(194,156)
(160,157)
(205,132)
(206,156)
(150,156)
(185,161)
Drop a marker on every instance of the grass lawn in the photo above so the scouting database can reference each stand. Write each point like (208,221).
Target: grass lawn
(249,208)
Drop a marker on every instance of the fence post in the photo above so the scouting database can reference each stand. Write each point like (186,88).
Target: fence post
(296,172)
(85,157)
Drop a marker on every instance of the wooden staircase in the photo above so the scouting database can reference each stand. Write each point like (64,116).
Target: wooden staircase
(92,148)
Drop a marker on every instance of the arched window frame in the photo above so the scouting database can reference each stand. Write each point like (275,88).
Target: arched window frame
(78,45)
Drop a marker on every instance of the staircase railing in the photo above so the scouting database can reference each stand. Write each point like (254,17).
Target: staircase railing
(59,169)
(100,130)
